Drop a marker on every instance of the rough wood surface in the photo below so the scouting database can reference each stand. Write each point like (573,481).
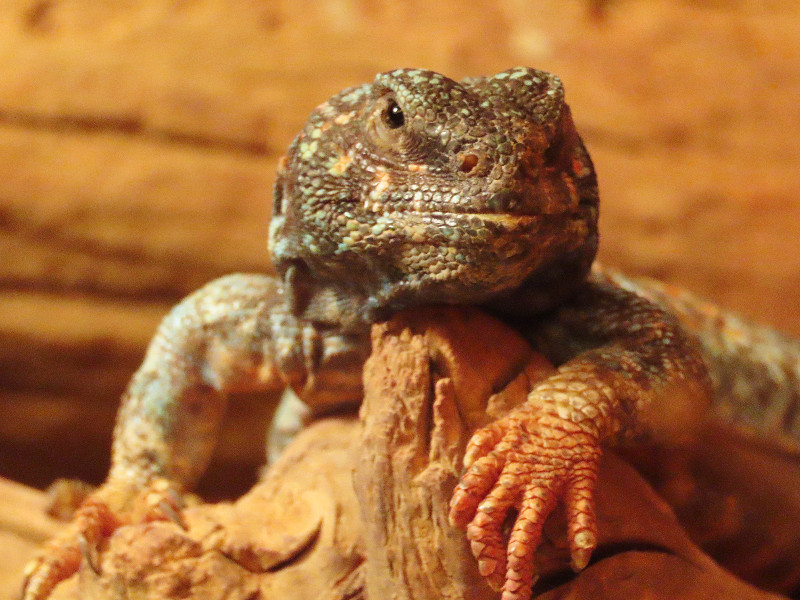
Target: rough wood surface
(138,144)
(356,511)
(427,383)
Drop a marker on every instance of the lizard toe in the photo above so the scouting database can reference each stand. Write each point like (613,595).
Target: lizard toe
(473,487)
(581,520)
(539,461)
(57,561)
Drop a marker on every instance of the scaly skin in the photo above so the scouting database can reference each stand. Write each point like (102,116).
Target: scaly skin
(413,190)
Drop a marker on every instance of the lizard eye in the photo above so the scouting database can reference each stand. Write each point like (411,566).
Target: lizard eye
(393,115)
(385,124)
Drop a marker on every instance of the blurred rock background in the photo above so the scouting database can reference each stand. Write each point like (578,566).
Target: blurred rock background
(138,146)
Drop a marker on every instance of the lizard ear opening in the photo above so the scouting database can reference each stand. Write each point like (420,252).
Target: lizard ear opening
(467,161)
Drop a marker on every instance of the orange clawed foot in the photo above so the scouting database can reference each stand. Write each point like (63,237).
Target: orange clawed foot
(526,461)
(94,521)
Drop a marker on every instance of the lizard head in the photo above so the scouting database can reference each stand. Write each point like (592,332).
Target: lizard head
(418,189)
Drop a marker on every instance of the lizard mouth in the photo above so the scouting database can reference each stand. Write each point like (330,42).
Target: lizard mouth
(456,228)
(543,200)
(502,219)
(499,207)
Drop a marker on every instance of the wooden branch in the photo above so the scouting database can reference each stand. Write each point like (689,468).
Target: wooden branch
(359,510)
(427,384)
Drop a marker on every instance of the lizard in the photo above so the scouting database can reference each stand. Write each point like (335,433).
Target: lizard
(418,189)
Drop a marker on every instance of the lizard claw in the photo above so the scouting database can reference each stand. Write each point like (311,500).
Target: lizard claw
(61,557)
(160,501)
(529,462)
(89,553)
(172,514)
(94,521)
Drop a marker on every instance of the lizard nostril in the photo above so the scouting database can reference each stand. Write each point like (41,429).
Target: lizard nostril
(467,163)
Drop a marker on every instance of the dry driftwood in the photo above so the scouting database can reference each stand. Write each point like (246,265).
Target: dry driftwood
(307,532)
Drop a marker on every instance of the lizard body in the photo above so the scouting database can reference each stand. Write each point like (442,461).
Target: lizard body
(416,190)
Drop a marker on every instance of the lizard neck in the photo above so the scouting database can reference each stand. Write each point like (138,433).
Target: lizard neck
(548,287)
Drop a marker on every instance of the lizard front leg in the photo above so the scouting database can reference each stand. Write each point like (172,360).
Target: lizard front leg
(235,334)
(626,371)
